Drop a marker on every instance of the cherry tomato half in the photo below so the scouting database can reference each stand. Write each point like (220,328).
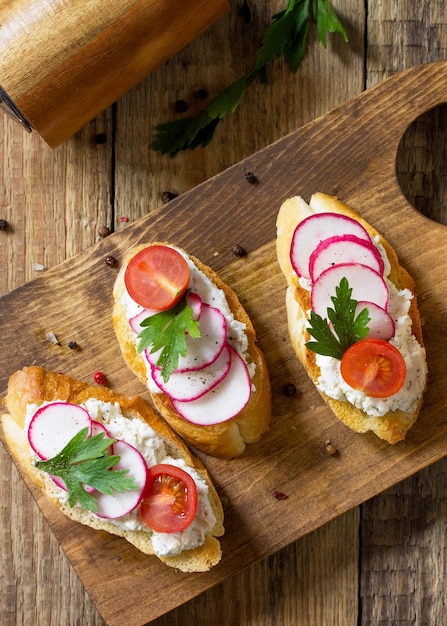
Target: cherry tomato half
(375,367)
(170,499)
(157,277)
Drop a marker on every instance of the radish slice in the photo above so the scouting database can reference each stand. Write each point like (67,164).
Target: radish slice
(195,302)
(381,325)
(191,385)
(366,284)
(135,321)
(224,401)
(118,504)
(53,425)
(344,249)
(316,228)
(203,351)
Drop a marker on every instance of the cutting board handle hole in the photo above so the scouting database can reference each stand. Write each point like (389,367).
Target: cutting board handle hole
(421,163)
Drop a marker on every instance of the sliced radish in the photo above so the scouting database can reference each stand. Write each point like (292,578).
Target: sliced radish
(315,229)
(135,321)
(191,385)
(366,284)
(195,302)
(344,249)
(381,325)
(224,401)
(53,425)
(119,504)
(203,351)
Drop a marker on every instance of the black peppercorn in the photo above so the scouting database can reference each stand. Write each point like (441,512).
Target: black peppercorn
(110,261)
(239,251)
(250,178)
(72,345)
(101,138)
(103,231)
(3,224)
(289,390)
(166,196)
(202,94)
(180,106)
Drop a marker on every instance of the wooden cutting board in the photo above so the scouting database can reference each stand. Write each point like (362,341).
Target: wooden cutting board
(349,152)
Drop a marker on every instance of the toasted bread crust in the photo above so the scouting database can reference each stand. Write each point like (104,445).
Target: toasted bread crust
(34,385)
(393,426)
(225,440)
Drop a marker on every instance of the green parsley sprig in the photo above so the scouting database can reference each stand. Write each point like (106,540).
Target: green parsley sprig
(166,331)
(287,36)
(84,461)
(348,328)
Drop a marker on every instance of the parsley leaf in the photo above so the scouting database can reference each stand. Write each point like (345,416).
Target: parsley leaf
(348,328)
(287,36)
(84,461)
(166,331)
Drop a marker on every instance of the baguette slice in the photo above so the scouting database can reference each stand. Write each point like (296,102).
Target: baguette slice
(34,385)
(227,439)
(394,425)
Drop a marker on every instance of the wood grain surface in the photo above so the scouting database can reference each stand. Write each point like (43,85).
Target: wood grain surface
(381,562)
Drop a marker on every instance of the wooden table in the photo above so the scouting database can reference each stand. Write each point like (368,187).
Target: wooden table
(383,562)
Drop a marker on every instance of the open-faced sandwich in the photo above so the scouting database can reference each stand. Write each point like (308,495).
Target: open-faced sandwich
(185,335)
(352,316)
(111,463)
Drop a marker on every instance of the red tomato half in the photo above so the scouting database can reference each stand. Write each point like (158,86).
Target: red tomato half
(170,499)
(375,367)
(157,277)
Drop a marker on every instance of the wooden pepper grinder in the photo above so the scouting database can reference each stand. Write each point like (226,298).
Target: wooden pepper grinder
(64,61)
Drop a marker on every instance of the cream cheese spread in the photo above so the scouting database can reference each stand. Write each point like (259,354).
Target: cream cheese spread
(155,450)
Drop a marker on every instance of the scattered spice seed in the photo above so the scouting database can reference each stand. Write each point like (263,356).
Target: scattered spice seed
(245,12)
(166,196)
(180,106)
(104,231)
(101,138)
(202,94)
(99,378)
(52,338)
(279,495)
(3,224)
(250,178)
(289,389)
(239,251)
(330,448)
(72,345)
(110,261)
